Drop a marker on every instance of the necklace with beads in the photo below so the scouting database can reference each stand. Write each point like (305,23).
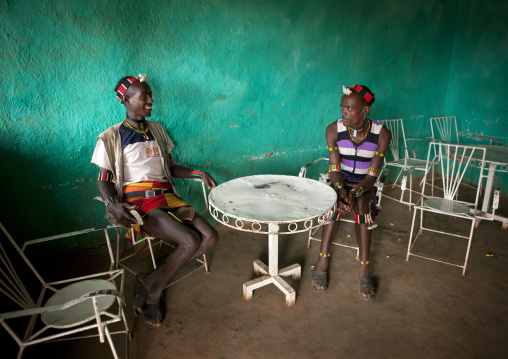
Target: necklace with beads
(141,132)
(352,135)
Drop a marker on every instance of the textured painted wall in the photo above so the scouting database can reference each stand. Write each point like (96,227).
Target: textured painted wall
(243,87)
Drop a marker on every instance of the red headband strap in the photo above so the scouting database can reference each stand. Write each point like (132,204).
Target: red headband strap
(122,89)
(366,94)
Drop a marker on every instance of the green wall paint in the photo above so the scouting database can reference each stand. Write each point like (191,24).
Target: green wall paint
(243,87)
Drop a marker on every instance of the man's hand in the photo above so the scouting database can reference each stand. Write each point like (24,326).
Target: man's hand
(207,180)
(122,214)
(346,201)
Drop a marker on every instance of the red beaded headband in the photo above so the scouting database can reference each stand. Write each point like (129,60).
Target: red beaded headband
(366,94)
(122,89)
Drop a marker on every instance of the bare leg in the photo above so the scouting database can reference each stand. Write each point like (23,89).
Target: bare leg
(191,242)
(363,238)
(329,232)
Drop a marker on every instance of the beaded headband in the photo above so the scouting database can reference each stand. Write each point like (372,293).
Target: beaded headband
(362,90)
(122,89)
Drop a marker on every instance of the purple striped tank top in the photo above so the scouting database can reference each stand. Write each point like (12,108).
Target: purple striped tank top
(355,157)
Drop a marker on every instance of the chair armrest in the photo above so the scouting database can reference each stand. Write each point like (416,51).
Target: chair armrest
(59,307)
(64,235)
(111,275)
(303,170)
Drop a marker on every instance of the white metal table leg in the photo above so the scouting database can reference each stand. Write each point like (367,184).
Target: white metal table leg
(271,273)
(488,187)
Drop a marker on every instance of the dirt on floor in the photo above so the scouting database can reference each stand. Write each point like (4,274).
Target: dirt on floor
(423,308)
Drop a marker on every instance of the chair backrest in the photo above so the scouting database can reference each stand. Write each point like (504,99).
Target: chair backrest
(444,129)
(398,145)
(17,274)
(454,161)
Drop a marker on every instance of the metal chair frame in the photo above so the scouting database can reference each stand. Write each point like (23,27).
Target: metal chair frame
(405,159)
(444,129)
(153,242)
(454,161)
(76,305)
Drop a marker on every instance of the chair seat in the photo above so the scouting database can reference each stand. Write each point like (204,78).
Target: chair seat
(81,312)
(410,162)
(447,205)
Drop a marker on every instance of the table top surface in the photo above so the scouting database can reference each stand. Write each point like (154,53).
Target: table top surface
(495,154)
(273,198)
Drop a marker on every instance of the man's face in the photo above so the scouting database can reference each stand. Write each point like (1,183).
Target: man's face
(139,101)
(353,110)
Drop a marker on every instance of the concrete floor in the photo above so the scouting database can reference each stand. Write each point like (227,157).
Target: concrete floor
(423,309)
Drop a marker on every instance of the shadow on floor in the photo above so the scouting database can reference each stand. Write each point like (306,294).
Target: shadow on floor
(423,309)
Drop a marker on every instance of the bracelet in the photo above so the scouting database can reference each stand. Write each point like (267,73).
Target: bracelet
(105,176)
(195,174)
(338,185)
(109,200)
(358,190)
(374,172)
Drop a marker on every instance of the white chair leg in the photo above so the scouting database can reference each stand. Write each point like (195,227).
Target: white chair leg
(411,235)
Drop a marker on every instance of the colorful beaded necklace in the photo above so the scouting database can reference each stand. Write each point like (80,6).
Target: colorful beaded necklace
(141,132)
(367,127)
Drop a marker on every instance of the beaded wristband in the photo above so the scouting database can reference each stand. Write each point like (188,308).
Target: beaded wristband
(338,185)
(104,176)
(358,190)
(379,154)
(362,262)
(334,168)
(324,255)
(373,172)
(109,200)
(332,148)
(195,174)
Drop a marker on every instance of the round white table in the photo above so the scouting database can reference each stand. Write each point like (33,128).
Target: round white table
(273,205)
(496,157)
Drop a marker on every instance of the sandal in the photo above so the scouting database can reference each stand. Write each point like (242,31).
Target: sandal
(139,295)
(367,287)
(321,279)
(152,315)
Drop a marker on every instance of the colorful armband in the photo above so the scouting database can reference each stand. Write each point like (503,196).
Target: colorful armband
(358,190)
(334,168)
(338,186)
(195,174)
(363,218)
(333,148)
(373,172)
(105,176)
(379,154)
(108,201)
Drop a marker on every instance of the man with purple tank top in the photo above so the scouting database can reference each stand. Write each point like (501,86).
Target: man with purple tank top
(356,146)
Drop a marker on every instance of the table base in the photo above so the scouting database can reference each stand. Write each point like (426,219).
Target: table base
(295,271)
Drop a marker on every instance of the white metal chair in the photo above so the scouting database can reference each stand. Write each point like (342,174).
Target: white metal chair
(444,129)
(401,157)
(151,242)
(323,177)
(454,161)
(76,308)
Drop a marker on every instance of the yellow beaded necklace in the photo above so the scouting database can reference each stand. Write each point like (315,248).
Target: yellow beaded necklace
(141,132)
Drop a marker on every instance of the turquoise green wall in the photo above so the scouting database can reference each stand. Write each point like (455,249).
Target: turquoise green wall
(243,87)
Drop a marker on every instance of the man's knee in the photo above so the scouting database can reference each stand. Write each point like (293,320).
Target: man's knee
(210,238)
(362,205)
(189,243)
